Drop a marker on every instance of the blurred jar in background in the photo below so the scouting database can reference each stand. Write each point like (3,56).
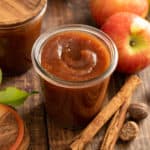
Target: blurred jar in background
(20,25)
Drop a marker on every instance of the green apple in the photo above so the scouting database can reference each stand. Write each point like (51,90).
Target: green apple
(131,34)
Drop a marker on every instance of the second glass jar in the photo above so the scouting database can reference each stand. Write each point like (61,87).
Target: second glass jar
(17,38)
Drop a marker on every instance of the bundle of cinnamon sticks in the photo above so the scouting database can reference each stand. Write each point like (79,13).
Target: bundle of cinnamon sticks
(117,107)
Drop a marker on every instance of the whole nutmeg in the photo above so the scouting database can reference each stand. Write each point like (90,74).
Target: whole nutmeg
(129,131)
(138,111)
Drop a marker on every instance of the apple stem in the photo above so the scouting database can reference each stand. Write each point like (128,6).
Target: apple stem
(132,43)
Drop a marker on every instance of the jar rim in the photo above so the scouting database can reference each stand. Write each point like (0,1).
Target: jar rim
(73,84)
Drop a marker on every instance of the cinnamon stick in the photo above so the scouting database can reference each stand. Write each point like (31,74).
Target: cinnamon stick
(106,113)
(115,126)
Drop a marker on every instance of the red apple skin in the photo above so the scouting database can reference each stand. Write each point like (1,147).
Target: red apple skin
(118,27)
(102,9)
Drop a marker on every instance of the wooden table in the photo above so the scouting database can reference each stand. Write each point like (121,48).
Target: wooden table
(44,134)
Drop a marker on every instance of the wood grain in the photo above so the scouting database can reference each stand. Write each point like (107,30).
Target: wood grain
(16,11)
(44,133)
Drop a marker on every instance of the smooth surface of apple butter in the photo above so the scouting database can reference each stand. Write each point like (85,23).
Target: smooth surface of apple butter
(74,56)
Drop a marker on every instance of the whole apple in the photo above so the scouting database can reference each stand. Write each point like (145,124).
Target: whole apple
(131,35)
(102,9)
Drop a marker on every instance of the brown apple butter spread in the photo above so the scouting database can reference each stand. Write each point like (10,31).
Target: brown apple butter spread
(74,56)
(20,25)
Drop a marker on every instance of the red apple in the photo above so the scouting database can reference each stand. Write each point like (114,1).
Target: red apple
(102,9)
(131,34)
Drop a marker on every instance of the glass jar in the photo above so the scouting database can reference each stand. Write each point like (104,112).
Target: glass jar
(18,31)
(73,103)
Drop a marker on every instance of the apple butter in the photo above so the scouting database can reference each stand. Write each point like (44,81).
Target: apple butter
(20,25)
(76,66)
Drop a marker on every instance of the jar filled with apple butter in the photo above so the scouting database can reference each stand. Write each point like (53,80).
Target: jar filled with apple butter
(20,25)
(74,63)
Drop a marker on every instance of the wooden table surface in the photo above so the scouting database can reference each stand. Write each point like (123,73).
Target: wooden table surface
(44,134)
